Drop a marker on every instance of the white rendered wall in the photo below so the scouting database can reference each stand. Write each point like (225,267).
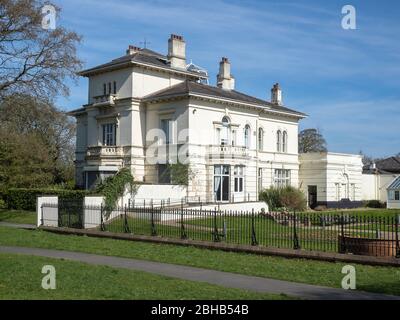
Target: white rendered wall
(50,213)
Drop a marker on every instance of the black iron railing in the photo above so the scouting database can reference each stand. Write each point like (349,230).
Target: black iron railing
(344,233)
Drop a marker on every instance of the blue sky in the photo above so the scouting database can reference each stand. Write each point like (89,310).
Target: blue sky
(347,81)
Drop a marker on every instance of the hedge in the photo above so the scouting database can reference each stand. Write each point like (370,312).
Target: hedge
(25,199)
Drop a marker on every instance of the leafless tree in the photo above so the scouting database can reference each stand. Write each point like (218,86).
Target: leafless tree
(311,140)
(34,60)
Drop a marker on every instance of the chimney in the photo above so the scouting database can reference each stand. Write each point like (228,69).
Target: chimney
(132,49)
(276,94)
(224,78)
(177,51)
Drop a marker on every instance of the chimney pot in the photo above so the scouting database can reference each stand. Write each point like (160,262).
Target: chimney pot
(132,49)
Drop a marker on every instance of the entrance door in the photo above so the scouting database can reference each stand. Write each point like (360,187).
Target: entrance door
(221,183)
(312,196)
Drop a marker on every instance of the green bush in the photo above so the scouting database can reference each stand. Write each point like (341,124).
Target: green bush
(375,204)
(25,199)
(272,197)
(288,198)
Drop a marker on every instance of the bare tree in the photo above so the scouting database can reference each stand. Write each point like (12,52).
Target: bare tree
(311,140)
(34,60)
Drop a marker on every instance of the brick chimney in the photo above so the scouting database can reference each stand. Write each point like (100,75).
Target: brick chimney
(132,49)
(224,78)
(276,94)
(177,51)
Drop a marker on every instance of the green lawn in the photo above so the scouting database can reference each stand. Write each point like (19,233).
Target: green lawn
(21,277)
(367,212)
(18,216)
(369,278)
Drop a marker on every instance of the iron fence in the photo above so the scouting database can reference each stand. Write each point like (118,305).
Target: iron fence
(343,233)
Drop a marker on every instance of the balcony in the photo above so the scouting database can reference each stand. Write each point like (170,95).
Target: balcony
(227,151)
(104,100)
(107,152)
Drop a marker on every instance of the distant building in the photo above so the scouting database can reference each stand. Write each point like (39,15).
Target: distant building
(378,176)
(394,194)
(331,179)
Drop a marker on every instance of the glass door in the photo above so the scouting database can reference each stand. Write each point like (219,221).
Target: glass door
(221,183)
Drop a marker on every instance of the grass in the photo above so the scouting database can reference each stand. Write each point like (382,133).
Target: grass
(21,278)
(367,212)
(369,278)
(18,216)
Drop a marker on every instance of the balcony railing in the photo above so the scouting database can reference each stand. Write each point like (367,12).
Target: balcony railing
(104,151)
(104,100)
(227,151)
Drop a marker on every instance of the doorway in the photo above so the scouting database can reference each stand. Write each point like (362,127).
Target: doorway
(312,196)
(221,182)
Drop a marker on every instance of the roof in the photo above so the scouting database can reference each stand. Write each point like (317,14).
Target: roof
(395,185)
(388,165)
(187,88)
(143,56)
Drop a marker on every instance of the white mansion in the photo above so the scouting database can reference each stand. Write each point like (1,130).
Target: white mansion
(236,144)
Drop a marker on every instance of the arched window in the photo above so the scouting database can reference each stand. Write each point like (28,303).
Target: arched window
(247,136)
(279,141)
(260,139)
(284,142)
(225,131)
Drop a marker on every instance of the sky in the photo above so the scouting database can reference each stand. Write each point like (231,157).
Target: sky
(346,81)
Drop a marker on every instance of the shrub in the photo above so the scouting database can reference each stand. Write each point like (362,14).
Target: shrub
(288,197)
(375,204)
(272,197)
(293,199)
(25,199)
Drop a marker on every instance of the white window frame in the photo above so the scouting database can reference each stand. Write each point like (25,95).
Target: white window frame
(238,175)
(109,134)
(282,178)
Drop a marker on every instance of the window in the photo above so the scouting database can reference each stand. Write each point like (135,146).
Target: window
(278,141)
(260,179)
(247,136)
(282,178)
(337,188)
(115,87)
(284,142)
(225,131)
(221,182)
(239,178)
(397,195)
(260,139)
(109,134)
(166,126)
(109,88)
(234,138)
(104,89)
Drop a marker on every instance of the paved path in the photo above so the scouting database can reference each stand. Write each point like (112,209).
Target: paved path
(17,225)
(224,279)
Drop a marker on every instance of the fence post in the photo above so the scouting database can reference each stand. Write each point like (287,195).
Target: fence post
(102,228)
(253,230)
(216,235)
(183,231)
(397,236)
(126,226)
(153,226)
(342,244)
(41,213)
(296,244)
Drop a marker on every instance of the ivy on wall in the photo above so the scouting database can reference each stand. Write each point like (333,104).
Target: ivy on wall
(179,173)
(113,188)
